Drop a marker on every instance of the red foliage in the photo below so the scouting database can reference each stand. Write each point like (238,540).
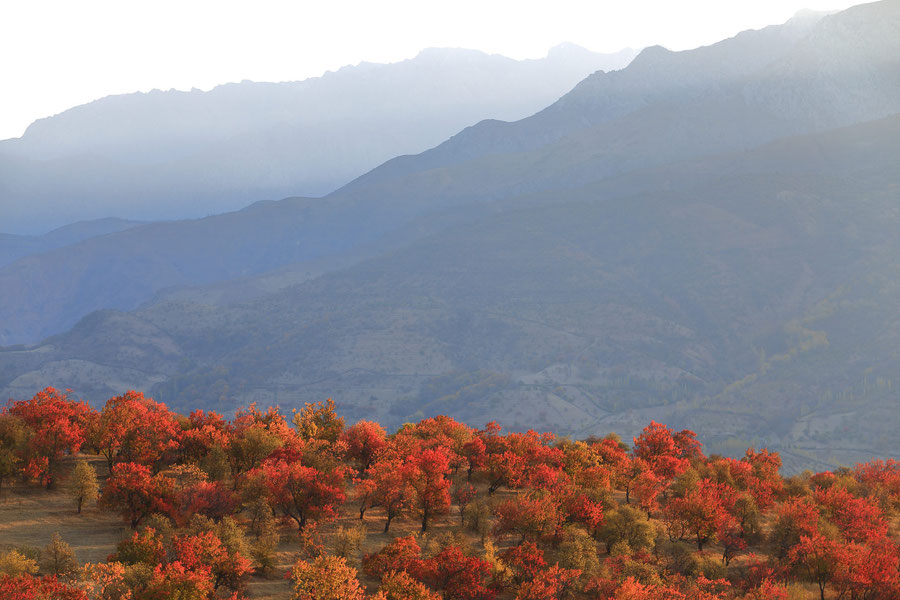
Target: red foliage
(206,551)
(526,561)
(858,519)
(457,576)
(704,512)
(401,554)
(132,490)
(426,474)
(58,427)
(300,492)
(549,584)
(136,429)
(208,498)
(532,517)
(206,430)
(26,587)
(363,442)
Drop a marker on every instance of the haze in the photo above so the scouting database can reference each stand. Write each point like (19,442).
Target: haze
(71,53)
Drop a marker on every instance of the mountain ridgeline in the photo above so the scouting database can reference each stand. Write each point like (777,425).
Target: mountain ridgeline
(168,155)
(704,237)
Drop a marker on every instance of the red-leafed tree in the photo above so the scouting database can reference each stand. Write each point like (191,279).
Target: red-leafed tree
(456,576)
(794,519)
(385,486)
(132,490)
(136,429)
(206,551)
(704,511)
(205,432)
(426,474)
(549,584)
(402,554)
(208,498)
(301,493)
(174,580)
(820,559)
(363,441)
(525,560)
(531,517)
(858,519)
(57,426)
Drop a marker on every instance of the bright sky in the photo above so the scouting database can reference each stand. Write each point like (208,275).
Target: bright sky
(55,54)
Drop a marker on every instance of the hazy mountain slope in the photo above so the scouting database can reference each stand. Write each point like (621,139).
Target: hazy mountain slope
(13,246)
(728,111)
(656,75)
(586,311)
(714,99)
(187,154)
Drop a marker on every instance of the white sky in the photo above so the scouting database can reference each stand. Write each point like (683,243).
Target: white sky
(55,54)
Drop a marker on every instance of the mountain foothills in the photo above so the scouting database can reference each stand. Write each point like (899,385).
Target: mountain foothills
(266,507)
(165,155)
(704,237)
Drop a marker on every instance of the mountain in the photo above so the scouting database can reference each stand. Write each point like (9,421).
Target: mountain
(720,255)
(723,97)
(167,155)
(13,247)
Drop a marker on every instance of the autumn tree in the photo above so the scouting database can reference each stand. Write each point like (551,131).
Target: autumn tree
(319,421)
(82,485)
(426,474)
(629,525)
(401,554)
(136,429)
(456,575)
(325,578)
(399,585)
(300,493)
(820,558)
(255,436)
(531,517)
(58,559)
(205,551)
(57,426)
(555,583)
(704,511)
(132,490)
(363,441)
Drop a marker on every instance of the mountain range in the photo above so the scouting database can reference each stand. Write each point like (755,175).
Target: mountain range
(173,154)
(705,238)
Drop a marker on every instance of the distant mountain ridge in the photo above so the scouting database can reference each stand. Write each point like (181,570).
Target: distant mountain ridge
(13,247)
(712,114)
(167,155)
